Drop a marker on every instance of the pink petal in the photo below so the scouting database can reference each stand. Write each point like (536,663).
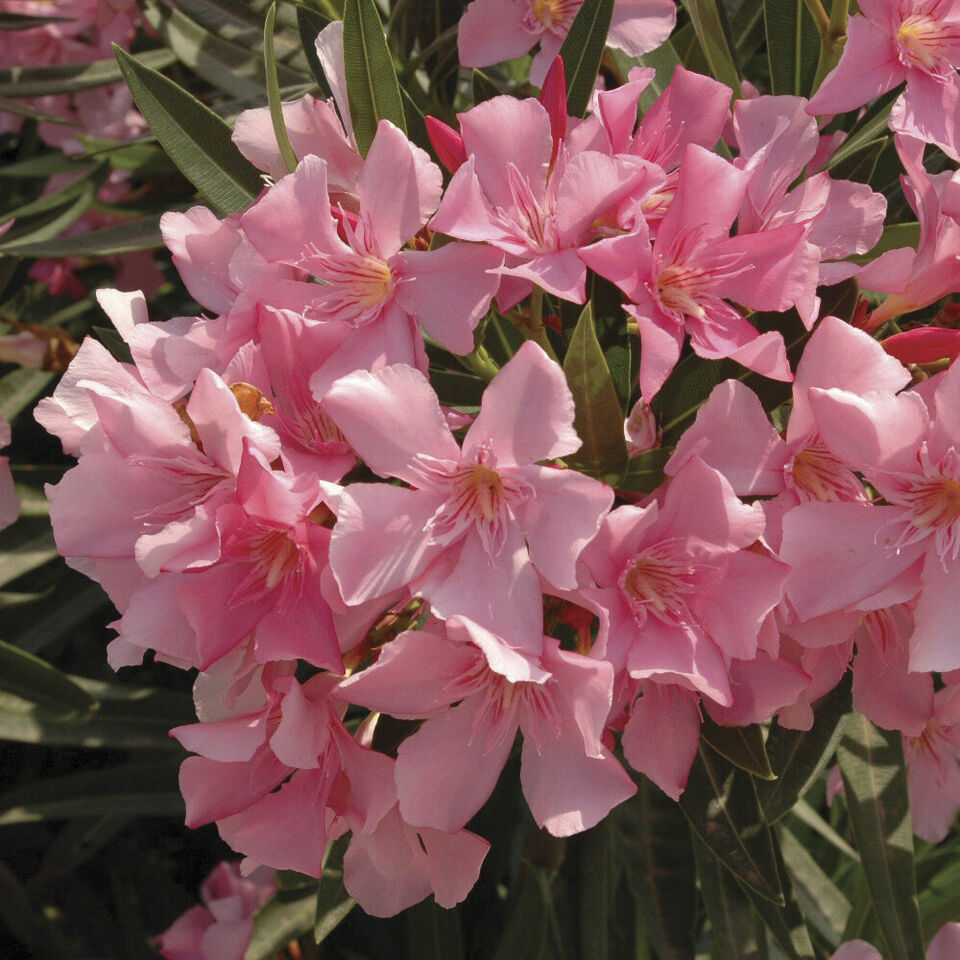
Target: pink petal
(639,26)
(660,738)
(389,417)
(933,644)
(527,411)
(492,31)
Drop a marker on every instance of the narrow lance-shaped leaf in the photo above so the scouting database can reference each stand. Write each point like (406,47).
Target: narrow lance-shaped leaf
(653,840)
(372,87)
(707,17)
(33,679)
(310,23)
(742,746)
(720,802)
(793,46)
(281,919)
(333,901)
(122,238)
(728,909)
(582,51)
(196,139)
(800,756)
(875,786)
(598,417)
(273,93)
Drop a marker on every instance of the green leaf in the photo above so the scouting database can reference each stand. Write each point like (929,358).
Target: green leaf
(598,417)
(143,789)
(141,722)
(310,23)
(644,473)
(68,78)
(874,124)
(34,680)
(279,921)
(333,901)
(31,926)
(456,389)
(940,896)
(123,238)
(372,87)
(45,165)
(24,21)
(51,220)
(793,46)
(711,28)
(273,93)
(742,746)
(89,182)
(875,782)
(653,838)
(196,139)
(433,933)
(19,389)
(824,905)
(860,164)
(20,108)
(582,51)
(800,756)
(482,87)
(720,802)
(525,936)
(235,70)
(728,909)
(24,547)
(894,235)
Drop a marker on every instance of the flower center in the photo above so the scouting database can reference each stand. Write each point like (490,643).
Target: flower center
(816,474)
(276,563)
(658,580)
(552,13)
(923,40)
(677,288)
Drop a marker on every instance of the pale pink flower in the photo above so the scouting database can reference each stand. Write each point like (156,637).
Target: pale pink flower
(480,522)
(476,691)
(492,31)
(917,41)
(220,928)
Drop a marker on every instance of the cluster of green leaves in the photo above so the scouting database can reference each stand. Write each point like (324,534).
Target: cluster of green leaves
(751,863)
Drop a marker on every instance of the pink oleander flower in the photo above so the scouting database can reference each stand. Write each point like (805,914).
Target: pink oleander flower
(492,31)
(481,524)
(220,928)
(368,279)
(917,41)
(679,283)
(476,692)
(907,446)
(916,278)
(944,946)
(521,191)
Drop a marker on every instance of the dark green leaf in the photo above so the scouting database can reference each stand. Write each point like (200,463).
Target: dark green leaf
(279,921)
(823,903)
(940,895)
(45,165)
(598,873)
(310,23)
(874,124)
(230,67)
(861,164)
(196,139)
(24,21)
(800,756)
(146,789)
(372,87)
(333,901)
(123,238)
(273,93)
(20,108)
(68,78)
(457,389)
(721,804)
(482,87)
(28,924)
(598,417)
(653,839)
(49,222)
(875,782)
(711,28)
(894,235)
(525,937)
(19,389)
(89,182)
(645,472)
(32,679)
(793,46)
(433,933)
(582,51)
(728,909)
(664,59)
(742,746)
(111,339)
(24,547)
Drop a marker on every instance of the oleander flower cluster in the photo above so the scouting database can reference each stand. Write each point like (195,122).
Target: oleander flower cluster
(383,593)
